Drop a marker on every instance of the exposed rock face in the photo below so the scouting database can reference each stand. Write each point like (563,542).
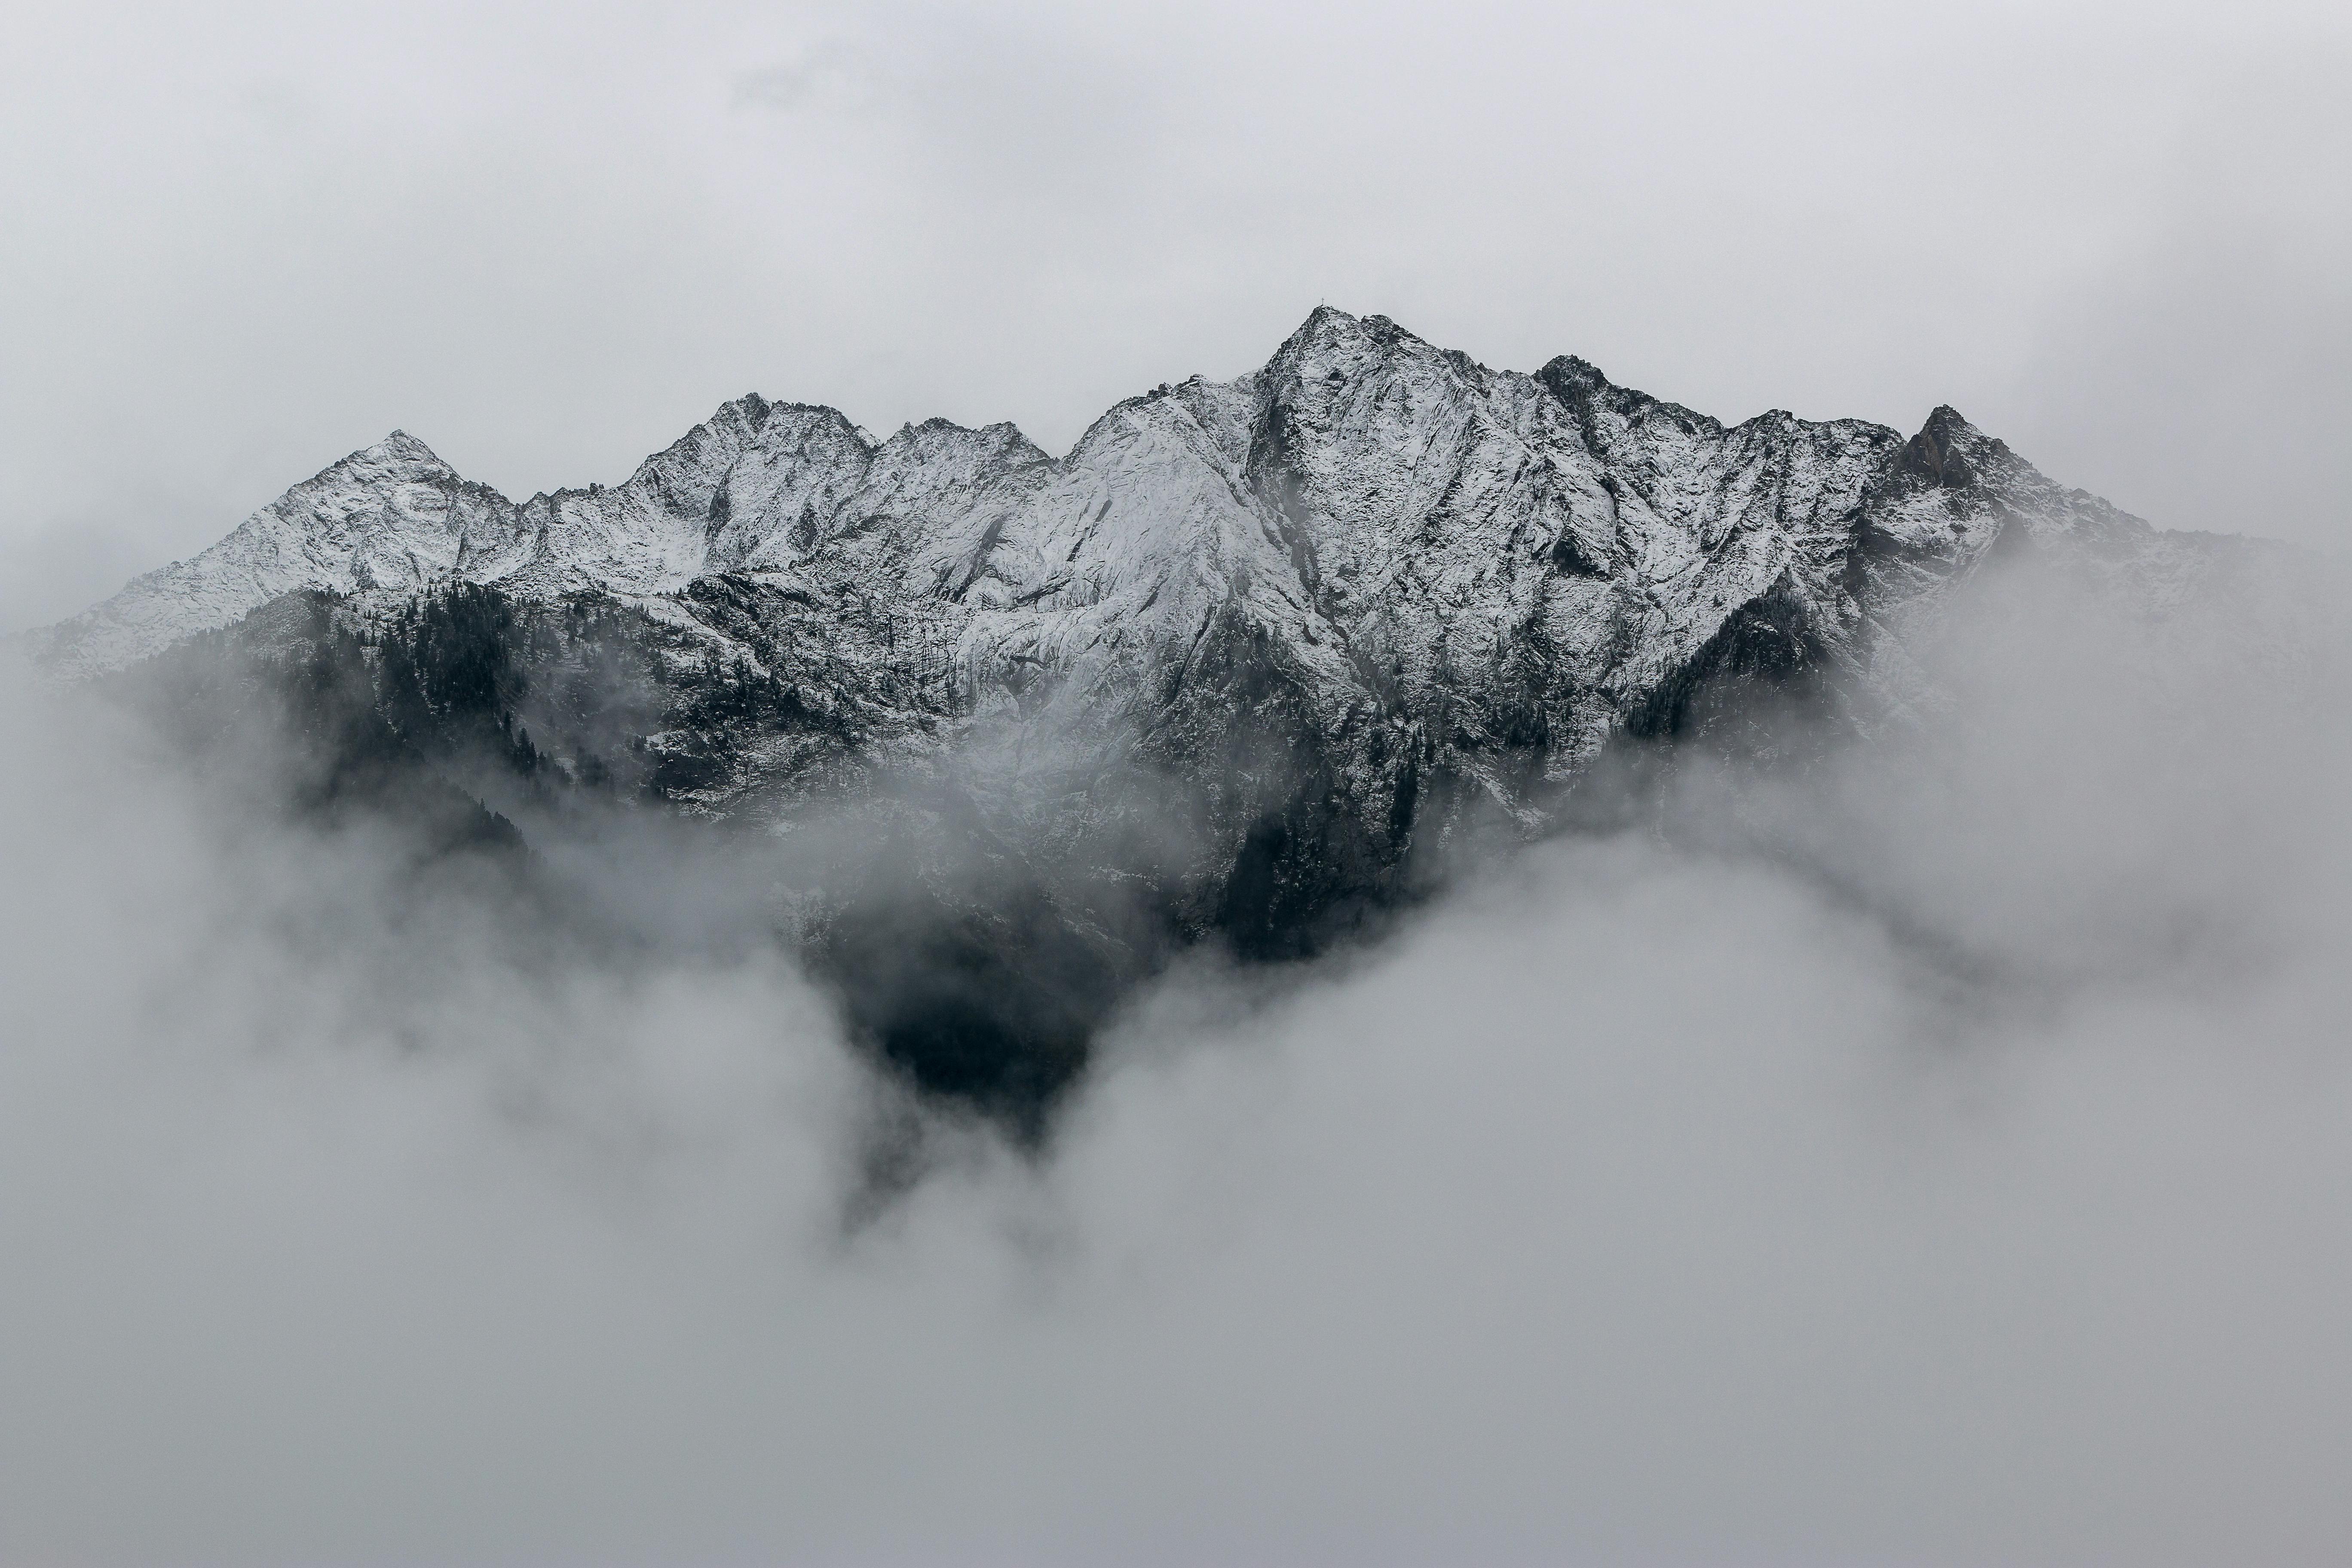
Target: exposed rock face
(1227,667)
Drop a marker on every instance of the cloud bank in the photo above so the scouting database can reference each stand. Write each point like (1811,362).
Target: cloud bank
(1931,1154)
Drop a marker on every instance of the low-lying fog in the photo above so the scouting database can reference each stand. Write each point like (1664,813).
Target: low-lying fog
(1940,1157)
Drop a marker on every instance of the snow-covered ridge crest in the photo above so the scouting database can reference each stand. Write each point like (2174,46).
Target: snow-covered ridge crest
(1393,514)
(741,490)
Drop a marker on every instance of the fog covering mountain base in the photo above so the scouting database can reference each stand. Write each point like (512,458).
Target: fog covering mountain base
(989,737)
(1925,1146)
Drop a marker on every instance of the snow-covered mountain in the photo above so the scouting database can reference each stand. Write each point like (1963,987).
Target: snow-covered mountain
(1515,566)
(1240,656)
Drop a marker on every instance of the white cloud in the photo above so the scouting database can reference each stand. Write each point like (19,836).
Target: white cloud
(1945,1166)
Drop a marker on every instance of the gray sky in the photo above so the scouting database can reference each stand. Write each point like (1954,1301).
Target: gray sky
(246,238)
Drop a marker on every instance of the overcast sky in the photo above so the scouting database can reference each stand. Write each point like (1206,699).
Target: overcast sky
(243,240)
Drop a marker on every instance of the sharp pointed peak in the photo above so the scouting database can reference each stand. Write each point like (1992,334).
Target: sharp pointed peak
(1328,321)
(1325,326)
(751,408)
(1950,451)
(1949,430)
(1574,370)
(397,450)
(1335,342)
(399,447)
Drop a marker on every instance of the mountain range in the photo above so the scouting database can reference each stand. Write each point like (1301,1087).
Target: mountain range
(1244,665)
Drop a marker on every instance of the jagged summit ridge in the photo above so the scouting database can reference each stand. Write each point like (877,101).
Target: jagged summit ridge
(755,488)
(1399,520)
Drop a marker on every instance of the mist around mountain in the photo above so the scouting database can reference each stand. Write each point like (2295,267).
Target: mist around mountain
(1576,986)
(987,739)
(1918,1143)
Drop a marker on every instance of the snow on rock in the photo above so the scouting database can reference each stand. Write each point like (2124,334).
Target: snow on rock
(1418,553)
(393,517)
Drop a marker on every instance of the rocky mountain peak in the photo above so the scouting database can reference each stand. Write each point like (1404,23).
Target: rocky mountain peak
(1332,345)
(398,447)
(1387,503)
(1241,663)
(1940,453)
